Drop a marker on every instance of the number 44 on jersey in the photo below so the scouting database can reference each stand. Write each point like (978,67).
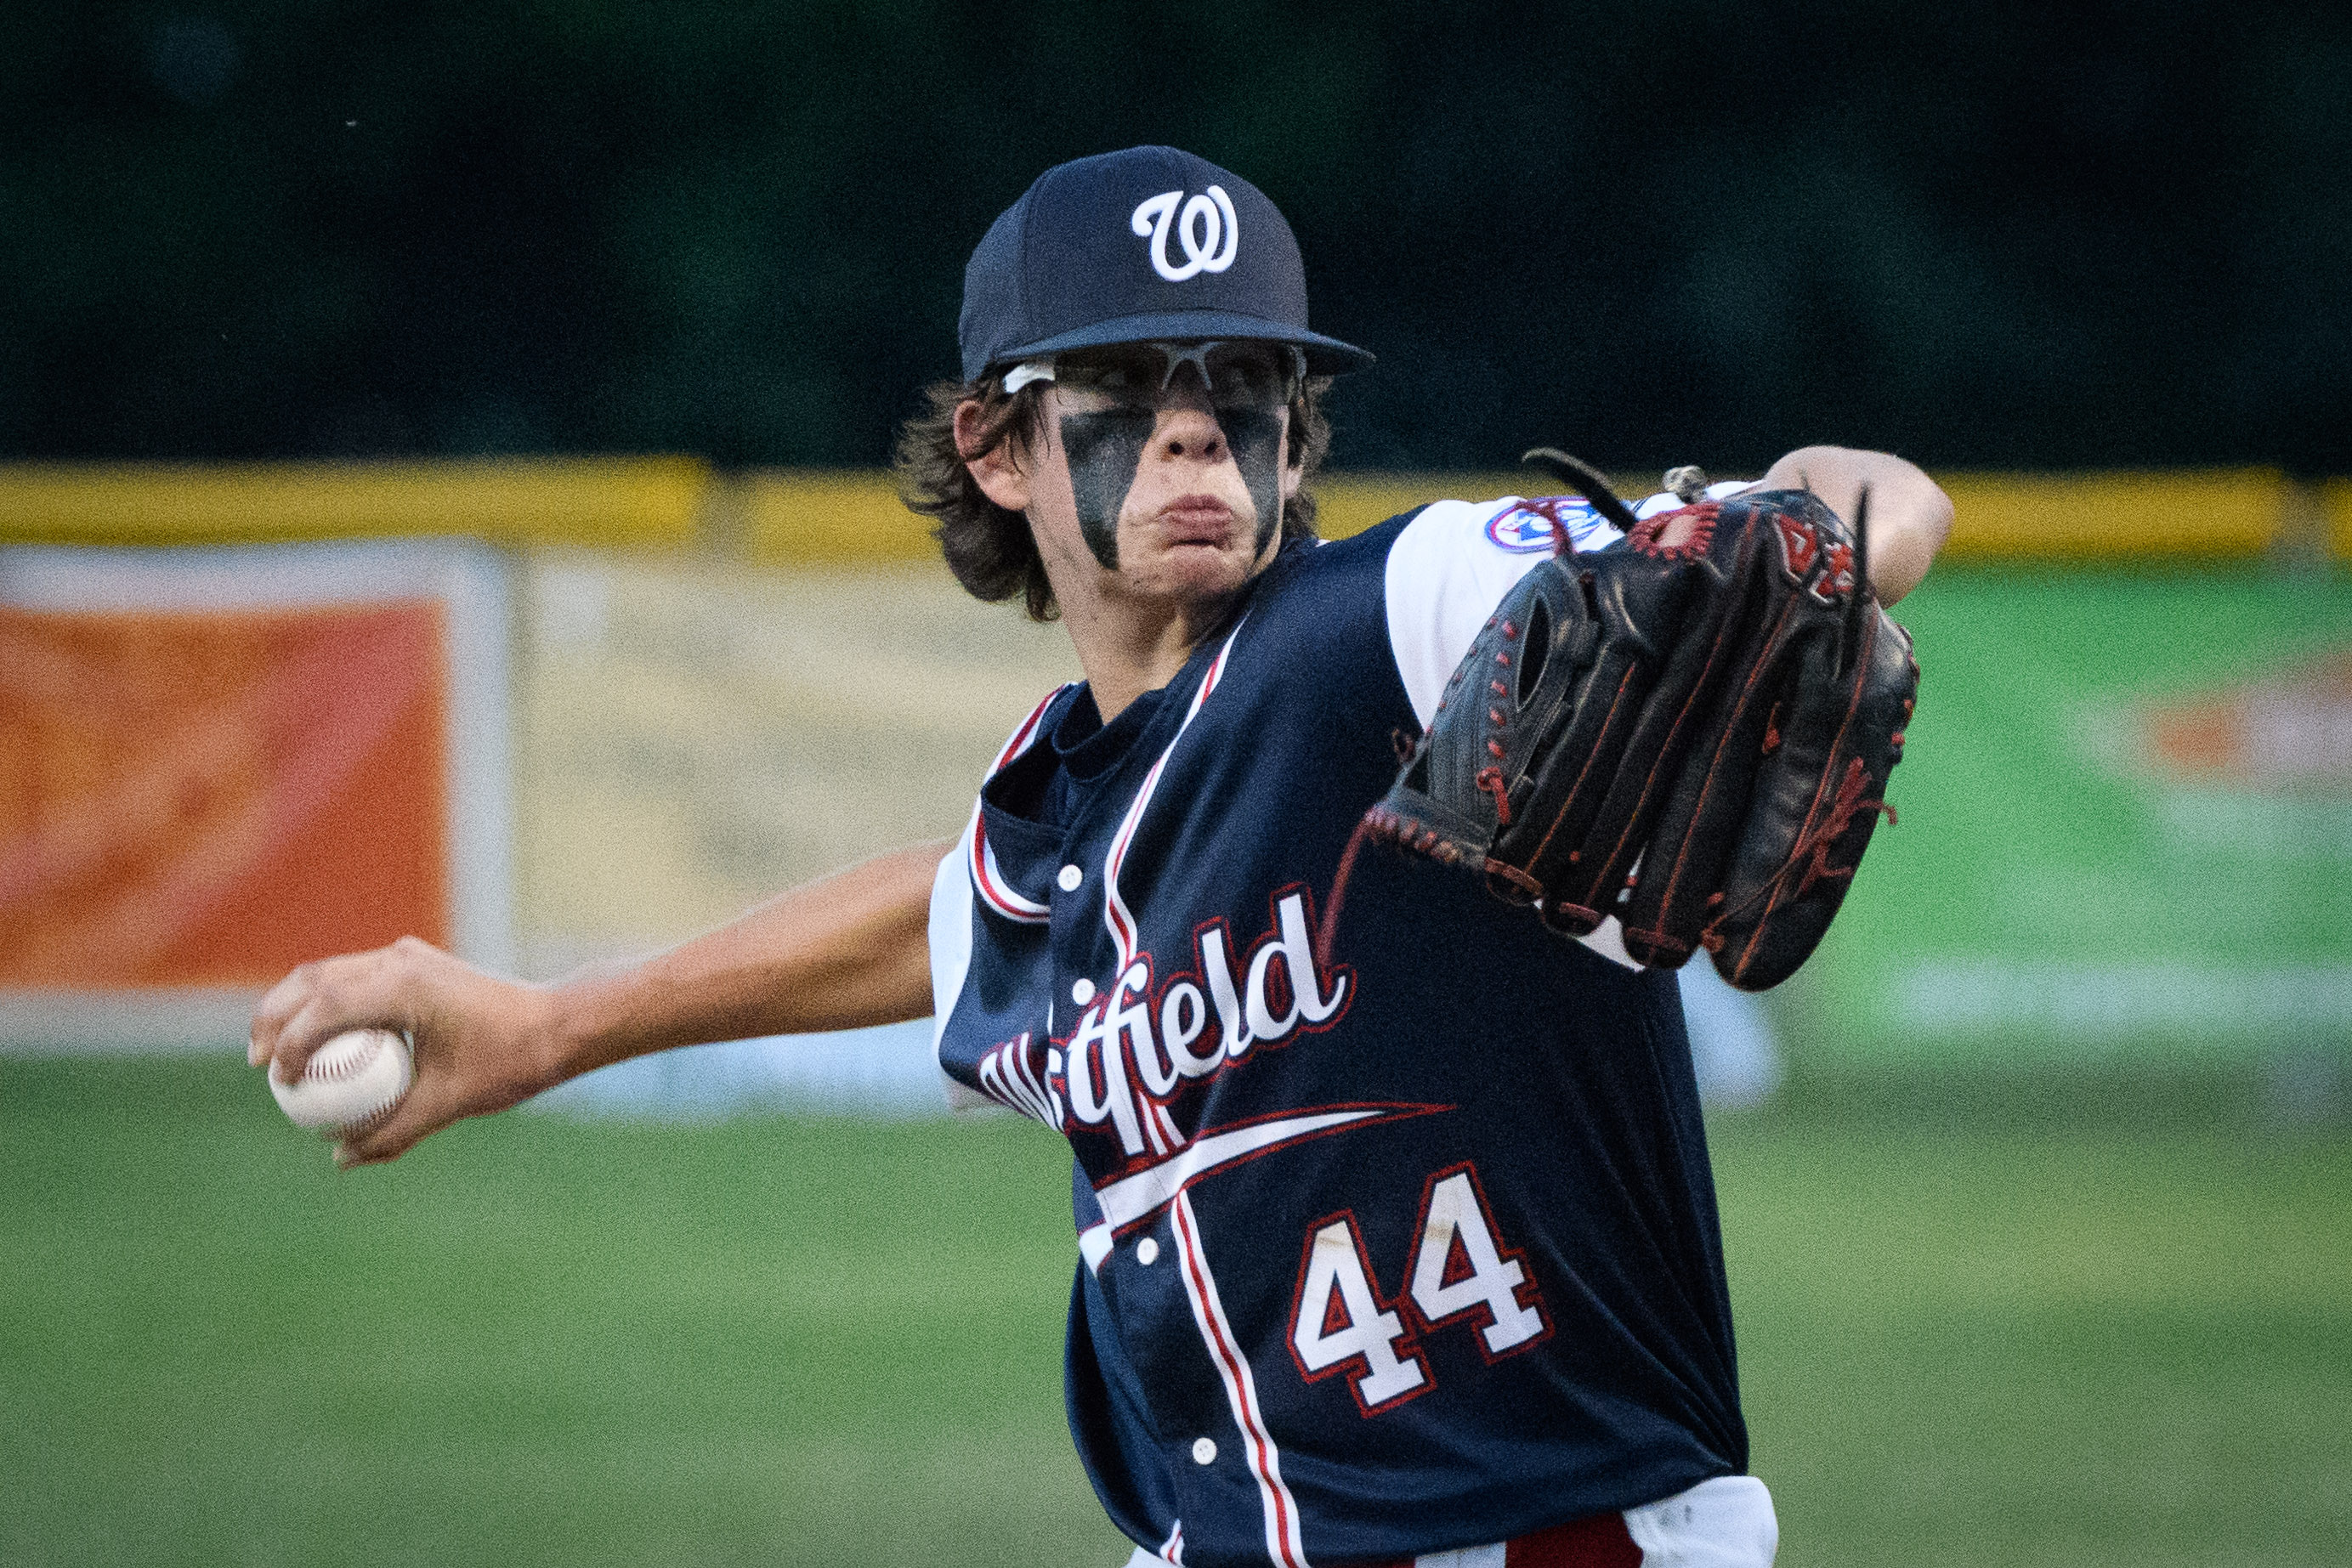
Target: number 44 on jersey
(1458,1272)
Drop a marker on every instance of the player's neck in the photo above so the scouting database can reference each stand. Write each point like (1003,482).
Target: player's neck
(1127,647)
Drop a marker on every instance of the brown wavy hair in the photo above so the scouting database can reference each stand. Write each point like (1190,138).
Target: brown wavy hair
(989,549)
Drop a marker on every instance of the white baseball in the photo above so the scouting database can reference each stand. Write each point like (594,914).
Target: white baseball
(354,1079)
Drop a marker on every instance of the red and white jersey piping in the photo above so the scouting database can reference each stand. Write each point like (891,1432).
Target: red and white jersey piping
(987,880)
(1283,1543)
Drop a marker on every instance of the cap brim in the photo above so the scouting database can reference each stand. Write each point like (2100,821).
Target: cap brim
(1325,356)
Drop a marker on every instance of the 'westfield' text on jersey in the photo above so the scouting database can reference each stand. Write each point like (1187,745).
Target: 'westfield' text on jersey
(1136,1046)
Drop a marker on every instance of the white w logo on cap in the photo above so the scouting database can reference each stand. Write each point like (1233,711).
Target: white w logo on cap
(1212,215)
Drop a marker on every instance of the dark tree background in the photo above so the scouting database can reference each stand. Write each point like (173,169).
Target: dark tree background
(1981,234)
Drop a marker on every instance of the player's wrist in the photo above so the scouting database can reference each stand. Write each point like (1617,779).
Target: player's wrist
(604,1014)
(561,1031)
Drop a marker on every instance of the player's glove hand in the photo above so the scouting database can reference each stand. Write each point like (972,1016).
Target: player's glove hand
(1695,738)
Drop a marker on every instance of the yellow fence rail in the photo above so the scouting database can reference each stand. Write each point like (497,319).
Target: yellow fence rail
(819,517)
(567,501)
(2195,514)
(853,517)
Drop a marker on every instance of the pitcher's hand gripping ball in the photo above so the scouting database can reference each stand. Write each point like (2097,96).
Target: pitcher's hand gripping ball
(1695,738)
(351,1082)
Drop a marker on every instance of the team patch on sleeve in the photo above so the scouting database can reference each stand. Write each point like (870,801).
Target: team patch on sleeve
(1454,561)
(1537,527)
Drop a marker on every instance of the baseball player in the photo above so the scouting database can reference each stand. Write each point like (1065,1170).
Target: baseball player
(1397,1238)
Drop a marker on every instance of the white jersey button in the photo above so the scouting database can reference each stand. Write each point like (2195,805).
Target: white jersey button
(1083,991)
(1147,1251)
(1070,878)
(1204,1450)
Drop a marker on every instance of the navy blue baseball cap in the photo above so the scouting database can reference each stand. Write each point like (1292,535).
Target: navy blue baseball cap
(1125,247)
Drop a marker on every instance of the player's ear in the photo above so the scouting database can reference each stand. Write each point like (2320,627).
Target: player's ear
(998,470)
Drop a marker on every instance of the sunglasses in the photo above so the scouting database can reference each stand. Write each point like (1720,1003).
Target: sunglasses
(1235,374)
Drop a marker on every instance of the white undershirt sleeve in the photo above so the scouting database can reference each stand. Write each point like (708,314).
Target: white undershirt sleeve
(1453,563)
(1450,567)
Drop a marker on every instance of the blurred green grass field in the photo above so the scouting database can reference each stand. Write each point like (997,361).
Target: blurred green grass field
(2082,1338)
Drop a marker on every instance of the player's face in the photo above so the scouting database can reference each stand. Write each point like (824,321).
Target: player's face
(1163,468)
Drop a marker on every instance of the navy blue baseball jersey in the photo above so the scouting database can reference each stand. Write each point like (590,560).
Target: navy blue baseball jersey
(1396,1226)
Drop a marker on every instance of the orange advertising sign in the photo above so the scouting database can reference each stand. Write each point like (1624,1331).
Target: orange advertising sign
(208,797)
(2286,729)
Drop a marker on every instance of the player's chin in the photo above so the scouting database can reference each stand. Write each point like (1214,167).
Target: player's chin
(1186,569)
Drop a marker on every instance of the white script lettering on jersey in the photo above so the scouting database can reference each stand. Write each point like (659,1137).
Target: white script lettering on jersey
(1210,214)
(1137,1046)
